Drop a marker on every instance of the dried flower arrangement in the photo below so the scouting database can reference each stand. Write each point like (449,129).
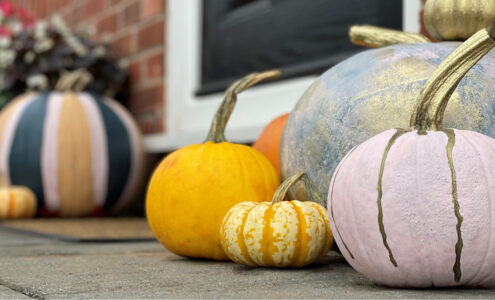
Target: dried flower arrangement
(35,53)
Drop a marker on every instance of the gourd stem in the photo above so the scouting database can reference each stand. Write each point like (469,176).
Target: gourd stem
(375,37)
(433,99)
(284,187)
(74,81)
(217,129)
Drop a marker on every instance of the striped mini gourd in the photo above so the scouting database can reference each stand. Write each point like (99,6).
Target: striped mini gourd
(78,152)
(278,233)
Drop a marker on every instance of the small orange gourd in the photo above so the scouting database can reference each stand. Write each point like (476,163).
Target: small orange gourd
(268,142)
(278,233)
(17,202)
(193,188)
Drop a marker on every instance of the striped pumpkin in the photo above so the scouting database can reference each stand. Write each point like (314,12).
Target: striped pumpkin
(17,202)
(80,153)
(278,233)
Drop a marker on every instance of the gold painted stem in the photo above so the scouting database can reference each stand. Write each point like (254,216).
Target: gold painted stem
(285,186)
(431,104)
(74,81)
(375,37)
(217,129)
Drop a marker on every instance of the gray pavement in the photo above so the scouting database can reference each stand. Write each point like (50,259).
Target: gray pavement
(45,268)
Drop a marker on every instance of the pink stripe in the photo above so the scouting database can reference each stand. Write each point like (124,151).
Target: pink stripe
(99,151)
(135,173)
(49,152)
(9,133)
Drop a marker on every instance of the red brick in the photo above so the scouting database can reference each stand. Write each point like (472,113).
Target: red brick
(135,72)
(76,15)
(147,100)
(107,24)
(93,7)
(154,66)
(123,46)
(152,7)
(130,14)
(151,35)
(150,122)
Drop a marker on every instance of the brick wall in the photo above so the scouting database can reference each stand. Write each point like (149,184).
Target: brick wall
(136,30)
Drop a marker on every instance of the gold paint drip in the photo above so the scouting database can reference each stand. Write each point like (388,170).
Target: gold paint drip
(375,37)
(392,140)
(458,246)
(430,107)
(217,129)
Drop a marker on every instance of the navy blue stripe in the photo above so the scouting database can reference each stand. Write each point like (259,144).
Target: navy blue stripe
(119,153)
(25,155)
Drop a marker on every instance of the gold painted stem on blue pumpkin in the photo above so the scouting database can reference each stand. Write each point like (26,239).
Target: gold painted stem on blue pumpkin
(430,107)
(376,37)
(217,129)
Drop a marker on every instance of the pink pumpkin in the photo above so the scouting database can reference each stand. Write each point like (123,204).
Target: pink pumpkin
(416,207)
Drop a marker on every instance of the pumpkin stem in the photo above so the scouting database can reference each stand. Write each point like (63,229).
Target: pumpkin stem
(74,81)
(217,129)
(433,99)
(285,186)
(376,37)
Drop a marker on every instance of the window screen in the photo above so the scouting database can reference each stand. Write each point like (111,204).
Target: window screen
(299,37)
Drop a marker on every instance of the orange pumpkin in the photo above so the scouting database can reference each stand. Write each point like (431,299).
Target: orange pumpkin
(17,202)
(193,188)
(268,142)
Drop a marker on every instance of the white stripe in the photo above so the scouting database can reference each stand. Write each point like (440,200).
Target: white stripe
(99,148)
(8,136)
(135,173)
(49,151)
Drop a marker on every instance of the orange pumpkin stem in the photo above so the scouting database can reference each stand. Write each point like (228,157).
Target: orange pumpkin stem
(433,99)
(285,186)
(217,129)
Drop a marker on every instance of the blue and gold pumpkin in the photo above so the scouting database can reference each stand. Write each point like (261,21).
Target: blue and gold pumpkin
(81,154)
(371,92)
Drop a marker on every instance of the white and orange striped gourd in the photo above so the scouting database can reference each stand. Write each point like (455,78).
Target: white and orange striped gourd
(278,233)
(17,202)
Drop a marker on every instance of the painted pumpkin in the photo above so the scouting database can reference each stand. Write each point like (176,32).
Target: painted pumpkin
(278,233)
(368,93)
(79,153)
(416,207)
(193,188)
(453,20)
(17,202)
(268,142)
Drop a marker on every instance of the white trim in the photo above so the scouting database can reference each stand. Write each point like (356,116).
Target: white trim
(187,117)
(410,13)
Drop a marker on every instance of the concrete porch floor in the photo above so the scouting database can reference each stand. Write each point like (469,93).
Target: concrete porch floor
(34,267)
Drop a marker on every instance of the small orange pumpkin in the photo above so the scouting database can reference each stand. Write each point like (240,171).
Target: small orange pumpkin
(278,233)
(193,188)
(17,202)
(268,142)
